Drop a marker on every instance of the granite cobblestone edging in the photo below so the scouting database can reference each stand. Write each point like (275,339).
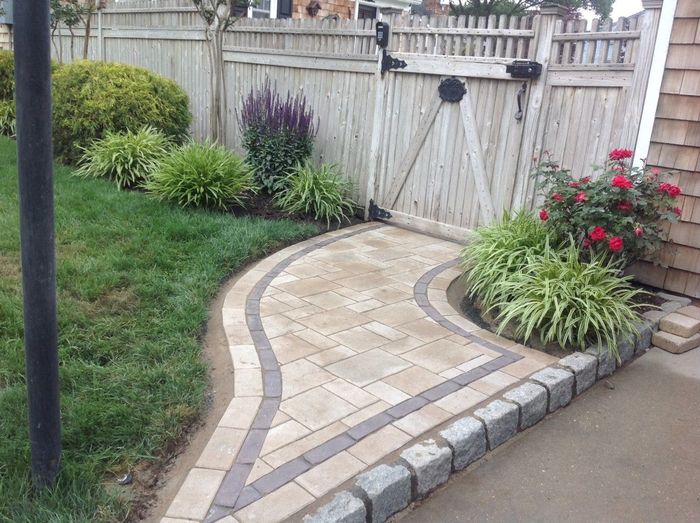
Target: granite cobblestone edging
(467,440)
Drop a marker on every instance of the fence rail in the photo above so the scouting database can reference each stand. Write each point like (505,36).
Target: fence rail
(585,103)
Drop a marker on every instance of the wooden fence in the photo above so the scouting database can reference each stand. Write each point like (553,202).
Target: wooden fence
(440,166)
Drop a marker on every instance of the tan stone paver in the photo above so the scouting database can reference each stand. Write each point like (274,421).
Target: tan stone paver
(330,473)
(493,383)
(196,494)
(276,506)
(375,446)
(317,408)
(351,346)
(367,367)
(414,380)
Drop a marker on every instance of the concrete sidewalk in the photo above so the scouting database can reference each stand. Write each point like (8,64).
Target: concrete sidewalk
(628,453)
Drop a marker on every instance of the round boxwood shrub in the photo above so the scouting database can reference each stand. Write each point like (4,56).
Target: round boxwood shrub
(7,75)
(93,98)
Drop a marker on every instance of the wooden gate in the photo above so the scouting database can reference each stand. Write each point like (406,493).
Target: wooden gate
(450,149)
(446,164)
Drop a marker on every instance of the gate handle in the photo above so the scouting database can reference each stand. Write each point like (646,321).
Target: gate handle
(521,92)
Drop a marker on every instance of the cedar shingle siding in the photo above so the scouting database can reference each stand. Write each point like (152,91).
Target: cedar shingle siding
(675,145)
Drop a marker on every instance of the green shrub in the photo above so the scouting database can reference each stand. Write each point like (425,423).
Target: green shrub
(498,252)
(7,75)
(127,158)
(93,98)
(323,193)
(277,134)
(569,301)
(8,123)
(202,175)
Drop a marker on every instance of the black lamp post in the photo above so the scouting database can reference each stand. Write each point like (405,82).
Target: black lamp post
(34,163)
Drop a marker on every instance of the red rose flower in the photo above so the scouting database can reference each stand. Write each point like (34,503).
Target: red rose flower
(618,168)
(557,197)
(597,234)
(670,189)
(616,244)
(677,211)
(655,171)
(586,179)
(586,243)
(580,197)
(620,154)
(622,182)
(544,215)
(638,231)
(572,184)
(624,206)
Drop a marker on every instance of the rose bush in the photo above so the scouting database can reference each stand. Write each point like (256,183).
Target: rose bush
(619,212)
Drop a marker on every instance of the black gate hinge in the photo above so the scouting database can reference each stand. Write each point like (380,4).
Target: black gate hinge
(377,213)
(389,62)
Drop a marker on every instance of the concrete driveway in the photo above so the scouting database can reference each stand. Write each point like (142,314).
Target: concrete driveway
(625,454)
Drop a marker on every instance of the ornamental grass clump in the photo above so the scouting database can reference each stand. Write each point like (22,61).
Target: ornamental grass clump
(323,193)
(498,252)
(618,213)
(277,133)
(567,300)
(203,175)
(127,158)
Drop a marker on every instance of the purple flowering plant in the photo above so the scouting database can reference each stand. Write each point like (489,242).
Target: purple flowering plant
(277,133)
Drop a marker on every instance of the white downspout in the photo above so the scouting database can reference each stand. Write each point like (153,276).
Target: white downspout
(656,74)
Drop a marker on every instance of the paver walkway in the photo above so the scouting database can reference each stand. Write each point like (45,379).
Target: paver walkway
(344,349)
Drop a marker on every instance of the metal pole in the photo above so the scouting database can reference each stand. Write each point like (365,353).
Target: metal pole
(34,162)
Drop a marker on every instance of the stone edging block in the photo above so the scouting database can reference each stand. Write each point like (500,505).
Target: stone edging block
(606,362)
(467,439)
(532,401)
(584,367)
(430,466)
(559,384)
(501,421)
(386,490)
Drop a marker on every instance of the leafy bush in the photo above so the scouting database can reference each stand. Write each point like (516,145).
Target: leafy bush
(202,175)
(498,252)
(127,158)
(620,213)
(8,123)
(567,300)
(93,98)
(7,75)
(323,193)
(277,135)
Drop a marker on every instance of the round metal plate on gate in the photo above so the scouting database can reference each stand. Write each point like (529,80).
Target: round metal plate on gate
(451,90)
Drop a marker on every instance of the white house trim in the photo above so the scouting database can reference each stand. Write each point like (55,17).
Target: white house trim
(656,74)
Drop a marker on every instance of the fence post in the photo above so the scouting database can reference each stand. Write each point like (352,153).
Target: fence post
(100,37)
(377,131)
(530,144)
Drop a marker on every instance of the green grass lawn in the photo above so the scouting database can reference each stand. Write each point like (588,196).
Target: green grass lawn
(135,277)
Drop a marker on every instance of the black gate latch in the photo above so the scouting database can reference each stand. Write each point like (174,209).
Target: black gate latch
(524,69)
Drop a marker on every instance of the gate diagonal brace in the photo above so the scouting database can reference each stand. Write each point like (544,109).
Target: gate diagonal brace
(389,62)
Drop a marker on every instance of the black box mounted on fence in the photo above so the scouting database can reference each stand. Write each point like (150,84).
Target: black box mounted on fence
(524,69)
(382,29)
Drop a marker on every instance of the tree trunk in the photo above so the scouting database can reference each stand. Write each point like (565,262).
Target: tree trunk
(88,26)
(72,44)
(215,40)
